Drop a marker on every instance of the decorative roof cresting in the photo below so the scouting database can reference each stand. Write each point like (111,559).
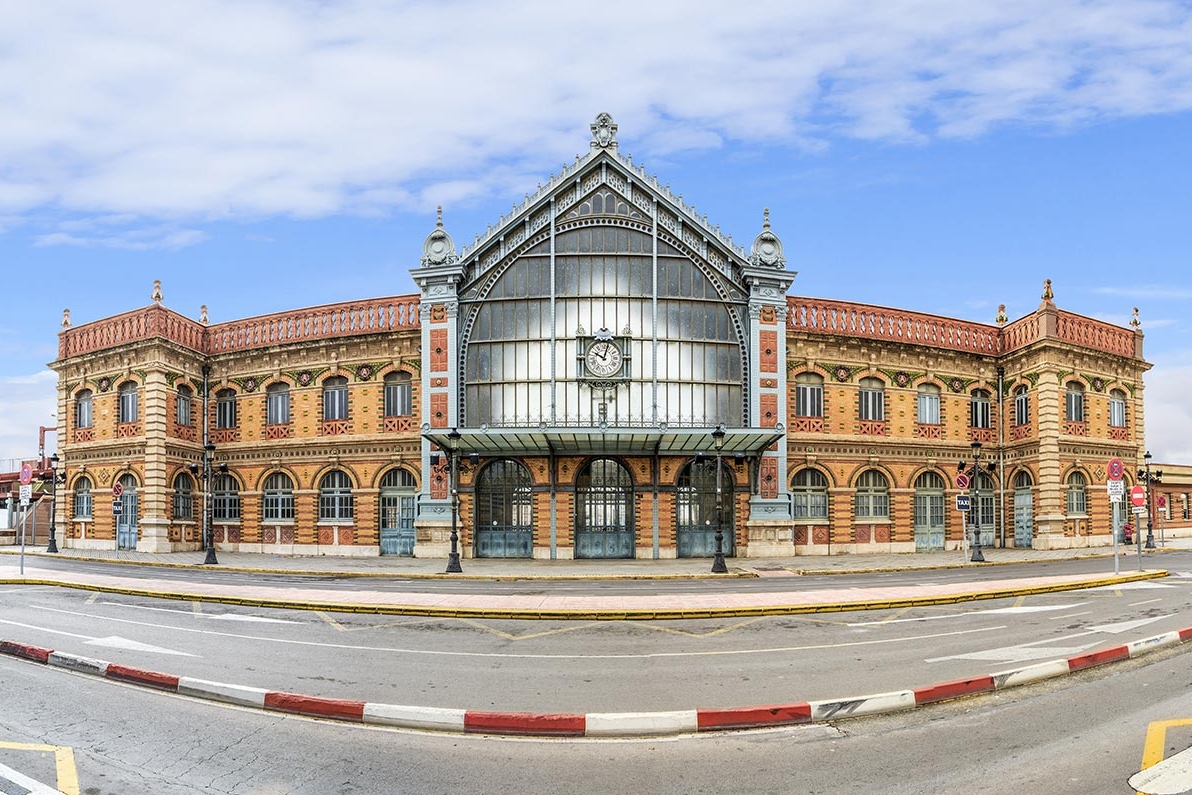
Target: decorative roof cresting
(604,132)
(439,248)
(767,248)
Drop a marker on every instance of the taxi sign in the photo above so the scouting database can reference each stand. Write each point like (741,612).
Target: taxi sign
(962,502)
(117,507)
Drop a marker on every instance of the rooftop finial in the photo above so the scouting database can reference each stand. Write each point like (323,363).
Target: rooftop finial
(439,216)
(1134,321)
(203,314)
(604,132)
(766,218)
(66,318)
(157,291)
(1002,318)
(1048,295)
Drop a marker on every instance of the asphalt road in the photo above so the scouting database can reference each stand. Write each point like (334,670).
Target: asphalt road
(596,666)
(1078,735)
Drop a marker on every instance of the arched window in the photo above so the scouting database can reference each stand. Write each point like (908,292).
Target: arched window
(809,395)
(277,404)
(184,497)
(182,412)
(128,402)
(872,400)
(929,404)
(399,395)
(1117,409)
(810,489)
(1077,495)
(82,498)
(335,497)
(1074,403)
(225,408)
(83,409)
(225,498)
(979,413)
(335,398)
(278,498)
(873,495)
(1022,405)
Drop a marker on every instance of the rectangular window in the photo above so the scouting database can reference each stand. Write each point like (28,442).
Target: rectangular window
(225,506)
(809,400)
(277,408)
(278,506)
(872,505)
(980,415)
(83,412)
(128,405)
(811,505)
(184,504)
(183,413)
(1117,413)
(399,400)
(225,411)
(1075,406)
(335,403)
(929,409)
(82,504)
(1077,505)
(872,405)
(1022,408)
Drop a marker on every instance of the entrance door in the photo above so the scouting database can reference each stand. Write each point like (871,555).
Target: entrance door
(604,526)
(696,514)
(984,511)
(397,513)
(929,512)
(504,511)
(126,522)
(1024,511)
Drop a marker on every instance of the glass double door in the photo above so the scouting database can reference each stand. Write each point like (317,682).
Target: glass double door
(604,526)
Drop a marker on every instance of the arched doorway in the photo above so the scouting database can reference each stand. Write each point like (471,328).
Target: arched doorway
(397,513)
(695,510)
(929,512)
(504,511)
(1024,510)
(126,520)
(604,526)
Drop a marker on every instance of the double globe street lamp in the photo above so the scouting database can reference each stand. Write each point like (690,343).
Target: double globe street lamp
(1148,477)
(53,545)
(718,565)
(974,511)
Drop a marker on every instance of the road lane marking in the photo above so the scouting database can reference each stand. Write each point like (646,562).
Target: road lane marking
(1037,649)
(64,764)
(112,641)
(1159,776)
(995,611)
(496,655)
(1147,602)
(197,613)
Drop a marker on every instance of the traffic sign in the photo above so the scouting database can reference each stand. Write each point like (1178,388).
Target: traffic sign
(1116,488)
(117,489)
(1161,501)
(1116,469)
(26,475)
(1115,498)
(962,502)
(1139,510)
(1138,496)
(26,494)
(117,507)
(962,481)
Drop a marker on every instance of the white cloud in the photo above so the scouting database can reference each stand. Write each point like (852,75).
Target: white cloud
(168,238)
(212,108)
(1168,410)
(27,402)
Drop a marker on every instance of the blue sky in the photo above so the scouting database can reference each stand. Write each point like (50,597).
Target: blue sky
(261,156)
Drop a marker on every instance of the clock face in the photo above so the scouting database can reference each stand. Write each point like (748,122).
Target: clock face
(603,359)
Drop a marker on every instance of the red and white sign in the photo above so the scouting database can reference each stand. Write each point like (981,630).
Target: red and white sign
(1138,496)
(117,489)
(962,481)
(1161,501)
(26,475)
(1116,469)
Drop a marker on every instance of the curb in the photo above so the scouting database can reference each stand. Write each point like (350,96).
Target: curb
(587,614)
(592,724)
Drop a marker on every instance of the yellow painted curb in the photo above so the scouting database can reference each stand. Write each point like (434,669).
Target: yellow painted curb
(604,615)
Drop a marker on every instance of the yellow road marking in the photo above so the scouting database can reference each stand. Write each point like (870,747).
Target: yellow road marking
(67,773)
(1156,739)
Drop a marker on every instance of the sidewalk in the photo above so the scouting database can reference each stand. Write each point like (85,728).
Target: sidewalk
(521,568)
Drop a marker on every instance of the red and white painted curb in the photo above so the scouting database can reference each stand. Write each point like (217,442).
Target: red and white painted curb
(592,724)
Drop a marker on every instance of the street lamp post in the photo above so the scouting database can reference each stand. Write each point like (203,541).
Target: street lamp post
(53,545)
(208,532)
(974,508)
(453,566)
(718,565)
(1148,477)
